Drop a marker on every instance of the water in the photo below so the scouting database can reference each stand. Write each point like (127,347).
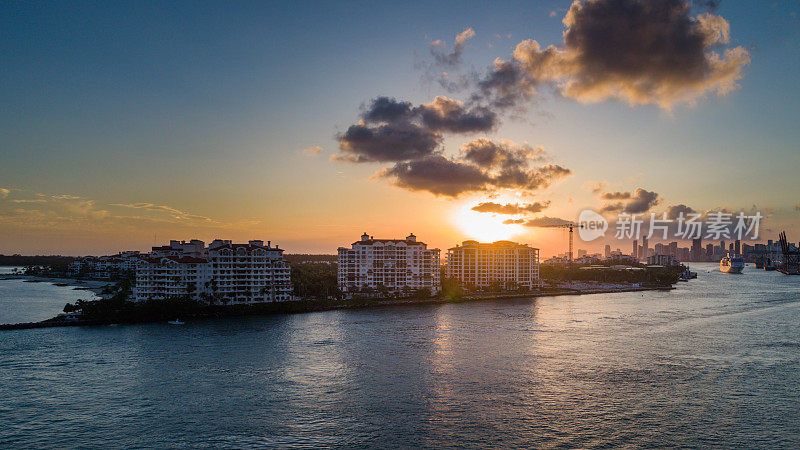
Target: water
(714,363)
(21,301)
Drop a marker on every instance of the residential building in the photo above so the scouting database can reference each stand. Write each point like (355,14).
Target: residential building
(224,272)
(399,266)
(163,277)
(506,263)
(104,267)
(251,272)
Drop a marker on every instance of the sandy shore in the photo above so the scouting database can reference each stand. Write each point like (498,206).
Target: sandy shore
(96,286)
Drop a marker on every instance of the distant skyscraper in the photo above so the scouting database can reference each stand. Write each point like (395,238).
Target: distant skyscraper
(697,246)
(722,246)
(643,254)
(710,250)
(738,247)
(608,251)
(635,252)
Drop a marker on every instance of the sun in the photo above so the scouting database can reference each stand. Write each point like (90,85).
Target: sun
(484,227)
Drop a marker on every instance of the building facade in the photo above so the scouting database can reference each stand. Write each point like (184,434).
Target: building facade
(224,272)
(399,266)
(104,267)
(504,263)
(251,272)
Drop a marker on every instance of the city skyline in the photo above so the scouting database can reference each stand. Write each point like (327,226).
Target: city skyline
(128,125)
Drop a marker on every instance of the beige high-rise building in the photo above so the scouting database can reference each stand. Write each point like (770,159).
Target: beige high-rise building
(509,264)
(396,265)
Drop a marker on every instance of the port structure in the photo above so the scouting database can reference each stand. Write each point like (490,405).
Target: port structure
(790,264)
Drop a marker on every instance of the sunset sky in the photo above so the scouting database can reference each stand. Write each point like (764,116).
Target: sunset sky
(306,123)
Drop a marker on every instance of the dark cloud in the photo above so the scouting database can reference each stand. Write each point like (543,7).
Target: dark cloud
(637,202)
(386,142)
(612,207)
(533,179)
(505,86)
(615,195)
(489,154)
(385,109)
(545,222)
(514,221)
(639,51)
(392,130)
(641,202)
(441,175)
(710,5)
(444,114)
(511,208)
(674,211)
(453,57)
(438,175)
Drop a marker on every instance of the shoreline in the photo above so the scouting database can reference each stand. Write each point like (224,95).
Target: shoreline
(305,306)
(95,286)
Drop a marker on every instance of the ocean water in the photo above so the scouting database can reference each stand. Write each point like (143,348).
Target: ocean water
(715,363)
(22,301)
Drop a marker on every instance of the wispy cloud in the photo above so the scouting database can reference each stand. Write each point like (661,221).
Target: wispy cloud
(312,151)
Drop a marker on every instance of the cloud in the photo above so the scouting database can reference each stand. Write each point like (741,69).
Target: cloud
(311,151)
(453,57)
(505,86)
(175,213)
(546,222)
(642,201)
(506,154)
(612,207)
(392,130)
(149,207)
(514,221)
(471,172)
(4,192)
(437,175)
(595,186)
(674,211)
(444,114)
(638,51)
(511,208)
(637,202)
(615,195)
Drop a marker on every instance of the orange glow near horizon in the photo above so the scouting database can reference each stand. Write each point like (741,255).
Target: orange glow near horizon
(484,227)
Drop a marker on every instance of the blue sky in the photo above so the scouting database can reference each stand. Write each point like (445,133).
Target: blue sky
(203,107)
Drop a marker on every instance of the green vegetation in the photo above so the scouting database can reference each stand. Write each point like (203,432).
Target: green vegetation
(308,258)
(661,275)
(54,263)
(315,281)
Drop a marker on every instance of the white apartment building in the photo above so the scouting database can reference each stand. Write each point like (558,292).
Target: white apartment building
(478,265)
(194,248)
(251,272)
(396,265)
(226,273)
(162,277)
(104,267)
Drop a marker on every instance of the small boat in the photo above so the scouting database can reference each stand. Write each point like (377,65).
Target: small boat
(176,322)
(731,264)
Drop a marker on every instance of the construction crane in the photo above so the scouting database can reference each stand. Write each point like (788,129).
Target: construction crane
(570,227)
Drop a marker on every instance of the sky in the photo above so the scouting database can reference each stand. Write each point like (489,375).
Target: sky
(126,124)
